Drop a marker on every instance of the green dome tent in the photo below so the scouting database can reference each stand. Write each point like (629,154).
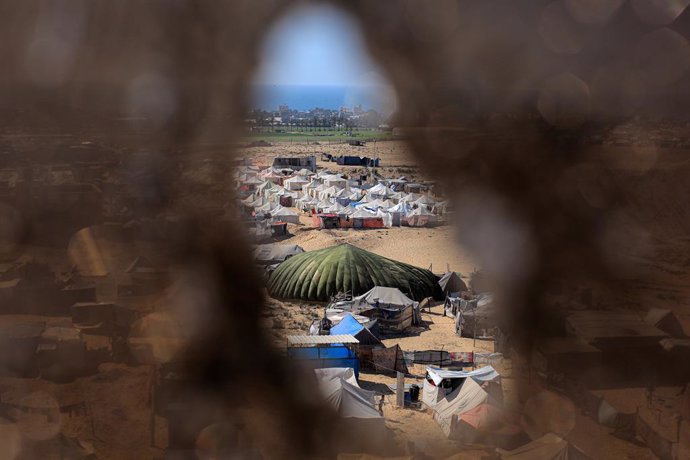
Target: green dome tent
(318,275)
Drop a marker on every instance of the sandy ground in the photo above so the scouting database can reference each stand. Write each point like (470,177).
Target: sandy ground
(424,247)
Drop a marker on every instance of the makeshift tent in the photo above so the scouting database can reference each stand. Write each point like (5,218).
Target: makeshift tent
(269,254)
(330,373)
(548,447)
(451,282)
(410,198)
(334,180)
(349,325)
(319,275)
(463,399)
(336,315)
(365,219)
(394,310)
(285,215)
(421,217)
(399,213)
(345,396)
(477,318)
(424,201)
(361,428)
(440,382)
(296,183)
(380,191)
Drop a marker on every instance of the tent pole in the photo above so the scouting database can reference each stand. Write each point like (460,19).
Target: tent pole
(400,389)
(474,334)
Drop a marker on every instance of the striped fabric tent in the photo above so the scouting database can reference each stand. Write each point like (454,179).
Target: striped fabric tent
(318,275)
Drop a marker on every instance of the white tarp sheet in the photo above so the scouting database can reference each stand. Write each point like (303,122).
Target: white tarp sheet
(347,398)
(483,374)
(385,296)
(463,399)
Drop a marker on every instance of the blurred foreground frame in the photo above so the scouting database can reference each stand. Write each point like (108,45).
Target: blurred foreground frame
(511,106)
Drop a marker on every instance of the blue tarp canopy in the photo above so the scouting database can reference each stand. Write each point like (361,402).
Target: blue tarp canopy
(349,325)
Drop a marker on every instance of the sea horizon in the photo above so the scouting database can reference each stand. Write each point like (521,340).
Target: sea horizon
(306,97)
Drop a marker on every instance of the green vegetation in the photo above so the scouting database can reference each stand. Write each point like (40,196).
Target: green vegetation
(323,135)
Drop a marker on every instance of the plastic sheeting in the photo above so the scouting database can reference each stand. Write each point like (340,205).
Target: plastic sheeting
(484,374)
(460,401)
(385,296)
(347,398)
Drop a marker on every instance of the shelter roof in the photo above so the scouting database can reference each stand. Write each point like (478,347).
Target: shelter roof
(297,340)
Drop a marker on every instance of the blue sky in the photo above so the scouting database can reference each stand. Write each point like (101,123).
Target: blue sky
(316,45)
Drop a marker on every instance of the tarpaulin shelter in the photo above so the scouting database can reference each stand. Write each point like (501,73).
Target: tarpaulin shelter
(476,317)
(399,213)
(461,400)
(548,447)
(269,254)
(361,428)
(339,387)
(439,383)
(421,217)
(367,340)
(366,219)
(319,275)
(451,282)
(395,311)
(349,325)
(285,215)
(296,183)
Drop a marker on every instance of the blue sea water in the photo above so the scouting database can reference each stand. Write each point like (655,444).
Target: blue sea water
(269,97)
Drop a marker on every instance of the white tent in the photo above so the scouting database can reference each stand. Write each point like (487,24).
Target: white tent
(380,191)
(385,296)
(435,389)
(386,217)
(339,387)
(355,196)
(266,208)
(399,213)
(421,217)
(335,180)
(424,201)
(285,215)
(463,399)
(410,198)
(296,183)
(305,172)
(362,214)
(329,192)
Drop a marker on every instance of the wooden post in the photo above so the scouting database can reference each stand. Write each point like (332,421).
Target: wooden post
(400,389)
